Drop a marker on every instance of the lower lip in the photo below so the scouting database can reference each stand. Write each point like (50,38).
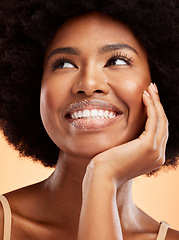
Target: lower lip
(93,124)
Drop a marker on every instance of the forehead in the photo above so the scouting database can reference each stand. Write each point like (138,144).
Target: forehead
(92,31)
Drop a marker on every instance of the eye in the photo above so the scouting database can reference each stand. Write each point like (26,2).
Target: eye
(62,63)
(65,65)
(118,59)
(117,62)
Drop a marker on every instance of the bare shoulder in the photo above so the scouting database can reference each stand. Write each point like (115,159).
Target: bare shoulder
(23,203)
(172,234)
(21,199)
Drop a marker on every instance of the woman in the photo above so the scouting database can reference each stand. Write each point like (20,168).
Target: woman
(98,105)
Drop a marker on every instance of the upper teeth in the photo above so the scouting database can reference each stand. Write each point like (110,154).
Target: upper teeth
(94,113)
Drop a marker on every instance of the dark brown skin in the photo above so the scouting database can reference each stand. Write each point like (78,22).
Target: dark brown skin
(54,209)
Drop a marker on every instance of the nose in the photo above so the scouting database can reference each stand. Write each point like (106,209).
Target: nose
(90,81)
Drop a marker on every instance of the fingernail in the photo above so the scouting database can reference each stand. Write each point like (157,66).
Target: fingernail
(146,93)
(154,87)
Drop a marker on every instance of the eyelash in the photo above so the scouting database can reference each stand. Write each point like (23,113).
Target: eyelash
(120,56)
(57,61)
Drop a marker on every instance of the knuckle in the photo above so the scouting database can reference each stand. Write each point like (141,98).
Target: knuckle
(159,156)
(158,98)
(154,151)
(156,154)
(166,124)
(161,161)
(166,121)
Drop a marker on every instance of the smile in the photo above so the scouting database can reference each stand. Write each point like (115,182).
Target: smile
(92,114)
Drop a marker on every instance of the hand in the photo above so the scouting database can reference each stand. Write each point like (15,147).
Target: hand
(141,155)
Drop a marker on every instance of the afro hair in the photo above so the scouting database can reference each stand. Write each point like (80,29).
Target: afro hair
(26,28)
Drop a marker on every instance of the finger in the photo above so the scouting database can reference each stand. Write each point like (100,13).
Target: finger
(162,135)
(162,119)
(151,125)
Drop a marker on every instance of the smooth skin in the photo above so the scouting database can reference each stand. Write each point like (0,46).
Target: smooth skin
(89,195)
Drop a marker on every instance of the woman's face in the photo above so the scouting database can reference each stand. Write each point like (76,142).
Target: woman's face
(95,72)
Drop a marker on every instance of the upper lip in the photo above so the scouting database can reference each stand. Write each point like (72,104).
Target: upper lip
(92,104)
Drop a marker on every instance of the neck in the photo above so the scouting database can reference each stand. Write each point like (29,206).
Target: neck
(64,188)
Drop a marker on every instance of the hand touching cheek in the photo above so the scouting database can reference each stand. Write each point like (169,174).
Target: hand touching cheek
(140,155)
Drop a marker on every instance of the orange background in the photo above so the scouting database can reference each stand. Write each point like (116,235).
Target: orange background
(157,196)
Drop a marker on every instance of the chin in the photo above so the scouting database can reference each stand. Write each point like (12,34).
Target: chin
(89,149)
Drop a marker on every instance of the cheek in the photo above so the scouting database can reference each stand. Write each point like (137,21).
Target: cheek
(51,92)
(48,101)
(130,90)
(52,98)
(47,107)
(137,111)
(54,92)
(132,96)
(129,85)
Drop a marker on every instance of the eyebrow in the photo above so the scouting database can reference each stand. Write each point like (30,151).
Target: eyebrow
(101,50)
(115,46)
(66,50)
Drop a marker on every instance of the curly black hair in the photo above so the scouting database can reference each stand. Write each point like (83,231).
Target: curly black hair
(26,28)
